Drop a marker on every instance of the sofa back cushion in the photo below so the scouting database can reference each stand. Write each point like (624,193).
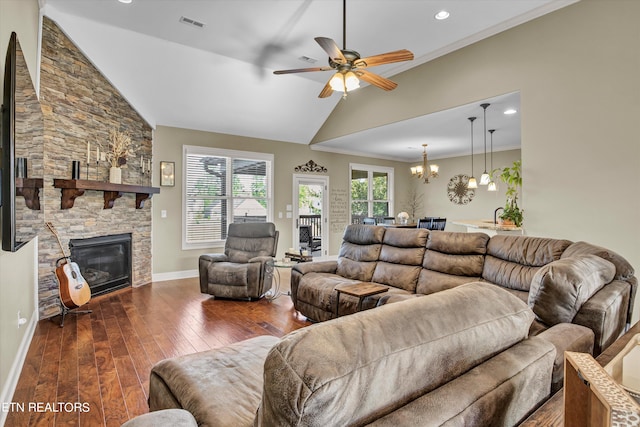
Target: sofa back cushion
(400,257)
(451,259)
(354,369)
(624,270)
(359,252)
(512,261)
(559,288)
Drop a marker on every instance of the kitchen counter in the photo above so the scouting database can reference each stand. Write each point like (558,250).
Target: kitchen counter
(487,226)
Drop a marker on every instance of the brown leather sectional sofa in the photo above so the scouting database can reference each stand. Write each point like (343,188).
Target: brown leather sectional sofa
(417,363)
(563,282)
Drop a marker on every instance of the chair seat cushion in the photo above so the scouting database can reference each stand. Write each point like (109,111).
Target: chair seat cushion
(228,273)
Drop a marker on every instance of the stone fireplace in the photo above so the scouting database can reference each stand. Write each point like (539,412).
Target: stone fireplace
(104,261)
(80,107)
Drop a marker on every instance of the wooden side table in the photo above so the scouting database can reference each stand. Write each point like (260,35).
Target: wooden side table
(360,290)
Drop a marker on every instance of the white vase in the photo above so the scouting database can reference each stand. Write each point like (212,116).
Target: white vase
(115,175)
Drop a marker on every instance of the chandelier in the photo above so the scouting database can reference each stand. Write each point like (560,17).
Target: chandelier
(425,171)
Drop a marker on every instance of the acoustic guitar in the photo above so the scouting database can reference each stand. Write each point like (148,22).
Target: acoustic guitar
(74,290)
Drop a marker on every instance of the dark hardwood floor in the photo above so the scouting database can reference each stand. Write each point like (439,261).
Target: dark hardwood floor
(101,361)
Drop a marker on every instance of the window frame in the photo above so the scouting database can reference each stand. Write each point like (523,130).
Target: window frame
(231,155)
(371,169)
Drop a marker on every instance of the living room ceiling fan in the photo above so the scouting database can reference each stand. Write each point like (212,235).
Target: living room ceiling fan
(349,66)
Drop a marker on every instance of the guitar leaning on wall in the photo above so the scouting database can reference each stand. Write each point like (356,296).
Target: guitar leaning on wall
(74,290)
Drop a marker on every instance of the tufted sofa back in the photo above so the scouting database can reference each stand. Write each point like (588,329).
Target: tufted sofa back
(512,261)
(451,259)
(401,255)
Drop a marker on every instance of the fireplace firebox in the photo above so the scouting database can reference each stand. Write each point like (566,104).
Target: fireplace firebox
(104,261)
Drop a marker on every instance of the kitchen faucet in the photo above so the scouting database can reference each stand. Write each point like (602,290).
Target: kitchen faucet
(495,215)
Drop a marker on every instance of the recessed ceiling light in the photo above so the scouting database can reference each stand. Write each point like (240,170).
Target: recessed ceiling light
(125,1)
(443,14)
(510,111)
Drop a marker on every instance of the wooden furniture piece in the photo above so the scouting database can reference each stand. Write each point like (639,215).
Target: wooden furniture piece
(592,398)
(360,291)
(29,188)
(72,188)
(551,414)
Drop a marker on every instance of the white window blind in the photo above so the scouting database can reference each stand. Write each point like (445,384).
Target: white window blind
(221,187)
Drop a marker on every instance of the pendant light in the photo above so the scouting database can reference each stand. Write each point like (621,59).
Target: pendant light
(472,181)
(492,184)
(485,178)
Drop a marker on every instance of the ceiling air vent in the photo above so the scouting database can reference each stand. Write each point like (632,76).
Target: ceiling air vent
(308,59)
(190,21)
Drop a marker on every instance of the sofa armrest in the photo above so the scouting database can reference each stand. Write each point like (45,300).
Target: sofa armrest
(214,257)
(605,313)
(261,259)
(303,268)
(566,337)
(316,267)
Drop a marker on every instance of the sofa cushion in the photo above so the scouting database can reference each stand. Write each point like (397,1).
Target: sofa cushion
(356,270)
(450,242)
(400,258)
(512,261)
(208,383)
(559,288)
(624,270)
(316,376)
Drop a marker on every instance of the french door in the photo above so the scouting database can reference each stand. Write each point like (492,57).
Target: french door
(310,230)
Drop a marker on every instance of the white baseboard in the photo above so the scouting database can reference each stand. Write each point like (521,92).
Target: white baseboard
(174,275)
(9,387)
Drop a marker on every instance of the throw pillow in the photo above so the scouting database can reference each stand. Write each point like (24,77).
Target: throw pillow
(559,288)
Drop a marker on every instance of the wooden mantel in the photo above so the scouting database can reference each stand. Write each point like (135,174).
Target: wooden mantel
(72,188)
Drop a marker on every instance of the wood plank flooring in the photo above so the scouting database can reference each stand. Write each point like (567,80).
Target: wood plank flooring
(101,361)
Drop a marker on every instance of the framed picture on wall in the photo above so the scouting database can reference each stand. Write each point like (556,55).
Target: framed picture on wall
(167,174)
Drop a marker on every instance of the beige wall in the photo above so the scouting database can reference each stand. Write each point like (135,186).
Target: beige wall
(437,203)
(168,255)
(577,72)
(18,279)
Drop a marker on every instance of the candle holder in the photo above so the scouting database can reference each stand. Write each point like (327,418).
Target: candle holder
(97,170)
(87,171)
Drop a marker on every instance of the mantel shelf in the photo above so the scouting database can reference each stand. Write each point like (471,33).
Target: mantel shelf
(72,188)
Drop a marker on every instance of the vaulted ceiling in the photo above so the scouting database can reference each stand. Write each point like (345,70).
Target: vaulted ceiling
(218,76)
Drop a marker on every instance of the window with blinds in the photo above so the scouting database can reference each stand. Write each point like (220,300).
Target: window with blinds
(221,187)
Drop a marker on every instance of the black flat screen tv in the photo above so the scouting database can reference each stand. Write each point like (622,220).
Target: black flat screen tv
(22,134)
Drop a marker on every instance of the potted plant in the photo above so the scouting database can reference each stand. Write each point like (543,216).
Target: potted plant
(512,177)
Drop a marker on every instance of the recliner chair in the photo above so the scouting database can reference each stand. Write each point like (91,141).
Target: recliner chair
(245,269)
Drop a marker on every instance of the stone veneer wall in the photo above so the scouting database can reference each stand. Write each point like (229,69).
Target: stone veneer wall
(80,106)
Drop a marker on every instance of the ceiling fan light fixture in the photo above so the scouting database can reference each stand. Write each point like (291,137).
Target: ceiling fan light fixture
(344,82)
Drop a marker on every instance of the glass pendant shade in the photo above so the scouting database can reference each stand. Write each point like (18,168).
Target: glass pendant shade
(434,168)
(485,178)
(472,183)
(492,186)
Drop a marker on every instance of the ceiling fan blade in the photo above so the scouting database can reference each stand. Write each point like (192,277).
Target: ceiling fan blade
(376,80)
(331,48)
(326,91)
(302,70)
(384,58)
